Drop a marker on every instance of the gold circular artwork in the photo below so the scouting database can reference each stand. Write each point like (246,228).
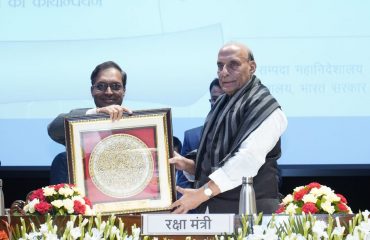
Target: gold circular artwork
(121,165)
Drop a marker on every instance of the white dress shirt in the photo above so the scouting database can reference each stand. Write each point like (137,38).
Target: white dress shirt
(91,111)
(251,154)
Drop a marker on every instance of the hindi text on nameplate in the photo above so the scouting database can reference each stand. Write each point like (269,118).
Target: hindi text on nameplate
(187,224)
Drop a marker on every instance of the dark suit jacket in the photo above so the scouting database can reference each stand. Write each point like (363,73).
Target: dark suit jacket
(56,127)
(191,142)
(59,169)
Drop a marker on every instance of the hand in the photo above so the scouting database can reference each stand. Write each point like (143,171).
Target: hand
(183,163)
(115,111)
(191,198)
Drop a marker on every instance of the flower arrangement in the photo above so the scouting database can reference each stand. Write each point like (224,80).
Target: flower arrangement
(77,227)
(304,227)
(314,198)
(293,227)
(63,199)
(60,199)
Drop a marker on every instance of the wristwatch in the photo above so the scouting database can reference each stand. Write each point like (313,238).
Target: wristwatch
(207,191)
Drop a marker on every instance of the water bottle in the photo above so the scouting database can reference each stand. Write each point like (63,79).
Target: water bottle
(247,200)
(2,206)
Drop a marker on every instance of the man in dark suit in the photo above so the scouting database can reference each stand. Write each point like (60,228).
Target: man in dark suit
(192,136)
(108,87)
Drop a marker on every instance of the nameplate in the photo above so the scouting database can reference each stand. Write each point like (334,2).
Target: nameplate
(187,224)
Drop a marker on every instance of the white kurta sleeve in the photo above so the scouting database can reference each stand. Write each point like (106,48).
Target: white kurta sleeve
(252,152)
(91,111)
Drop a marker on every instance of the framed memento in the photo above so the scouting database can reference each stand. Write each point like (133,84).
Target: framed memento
(122,166)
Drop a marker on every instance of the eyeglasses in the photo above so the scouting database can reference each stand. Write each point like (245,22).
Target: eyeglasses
(103,86)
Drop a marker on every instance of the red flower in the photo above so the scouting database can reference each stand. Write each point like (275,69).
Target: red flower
(313,185)
(87,202)
(39,194)
(309,208)
(342,198)
(281,209)
(299,195)
(342,207)
(58,186)
(43,207)
(78,207)
(3,235)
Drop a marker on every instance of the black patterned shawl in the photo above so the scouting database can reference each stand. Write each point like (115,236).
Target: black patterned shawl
(231,121)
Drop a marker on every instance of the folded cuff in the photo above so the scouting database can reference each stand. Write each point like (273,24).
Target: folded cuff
(222,180)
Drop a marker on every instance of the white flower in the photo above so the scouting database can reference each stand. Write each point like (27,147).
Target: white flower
(57,203)
(55,229)
(34,235)
(26,208)
(261,232)
(114,230)
(30,207)
(288,199)
(323,190)
(68,204)
(70,224)
(135,232)
(294,236)
(319,229)
(327,207)
(51,236)
(48,191)
(66,191)
(76,190)
(316,192)
(44,228)
(89,211)
(259,229)
(84,222)
(307,225)
(271,234)
(76,232)
(298,188)
(309,198)
(360,232)
(367,236)
(364,226)
(351,237)
(291,208)
(338,231)
(78,198)
(366,214)
(332,197)
(96,235)
(102,226)
(326,190)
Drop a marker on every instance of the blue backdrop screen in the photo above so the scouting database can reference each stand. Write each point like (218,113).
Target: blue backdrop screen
(313,55)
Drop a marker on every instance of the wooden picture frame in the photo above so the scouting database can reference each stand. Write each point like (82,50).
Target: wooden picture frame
(123,166)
